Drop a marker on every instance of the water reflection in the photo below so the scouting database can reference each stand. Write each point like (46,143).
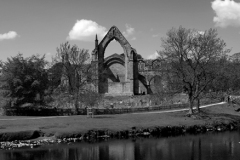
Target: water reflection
(220,146)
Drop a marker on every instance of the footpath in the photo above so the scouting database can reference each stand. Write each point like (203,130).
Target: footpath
(180,110)
(213,117)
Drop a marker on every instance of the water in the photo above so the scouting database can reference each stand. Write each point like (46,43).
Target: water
(210,146)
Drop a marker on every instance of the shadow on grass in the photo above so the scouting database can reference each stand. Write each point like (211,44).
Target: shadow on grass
(103,117)
(53,126)
(3,127)
(222,116)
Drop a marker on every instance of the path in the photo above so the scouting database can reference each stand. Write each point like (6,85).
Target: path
(179,110)
(154,112)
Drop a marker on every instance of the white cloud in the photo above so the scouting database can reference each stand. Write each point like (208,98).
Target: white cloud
(153,56)
(9,35)
(227,13)
(201,32)
(129,30)
(85,30)
(198,33)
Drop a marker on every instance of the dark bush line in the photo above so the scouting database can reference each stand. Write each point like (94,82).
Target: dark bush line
(31,111)
(160,131)
(65,112)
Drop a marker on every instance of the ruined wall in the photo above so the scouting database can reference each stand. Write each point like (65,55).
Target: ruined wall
(125,73)
(118,88)
(118,71)
(115,80)
(142,88)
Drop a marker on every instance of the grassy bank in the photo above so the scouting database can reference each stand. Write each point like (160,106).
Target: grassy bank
(61,126)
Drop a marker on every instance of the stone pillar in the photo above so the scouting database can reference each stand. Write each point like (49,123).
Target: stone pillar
(94,64)
(102,88)
(130,71)
(135,74)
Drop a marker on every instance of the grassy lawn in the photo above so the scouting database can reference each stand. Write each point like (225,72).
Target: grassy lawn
(80,124)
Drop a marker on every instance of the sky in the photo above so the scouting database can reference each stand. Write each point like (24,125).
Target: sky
(35,27)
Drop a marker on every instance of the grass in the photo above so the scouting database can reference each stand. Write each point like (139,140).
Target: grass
(81,124)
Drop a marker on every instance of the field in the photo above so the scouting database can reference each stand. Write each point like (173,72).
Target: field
(81,123)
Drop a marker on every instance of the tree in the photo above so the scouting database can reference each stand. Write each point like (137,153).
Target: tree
(229,75)
(90,98)
(24,80)
(77,70)
(55,75)
(192,56)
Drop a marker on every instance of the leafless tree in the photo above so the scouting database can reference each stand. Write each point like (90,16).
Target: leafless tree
(192,56)
(76,70)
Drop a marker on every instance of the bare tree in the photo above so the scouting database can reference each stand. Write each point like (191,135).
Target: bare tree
(76,70)
(192,56)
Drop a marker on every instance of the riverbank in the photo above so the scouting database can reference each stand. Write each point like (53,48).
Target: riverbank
(215,118)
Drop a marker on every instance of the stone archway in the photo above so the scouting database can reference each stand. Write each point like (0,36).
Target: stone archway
(129,86)
(114,71)
(115,58)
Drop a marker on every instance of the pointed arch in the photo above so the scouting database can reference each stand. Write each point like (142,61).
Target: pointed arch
(129,85)
(114,33)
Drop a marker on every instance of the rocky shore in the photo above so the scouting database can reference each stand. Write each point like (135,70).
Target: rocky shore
(32,139)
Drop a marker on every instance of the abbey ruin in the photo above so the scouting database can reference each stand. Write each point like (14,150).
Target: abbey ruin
(127,73)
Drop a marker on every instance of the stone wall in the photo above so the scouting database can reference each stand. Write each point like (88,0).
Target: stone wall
(118,88)
(142,88)
(118,71)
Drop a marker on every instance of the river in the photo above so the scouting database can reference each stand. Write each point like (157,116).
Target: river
(209,146)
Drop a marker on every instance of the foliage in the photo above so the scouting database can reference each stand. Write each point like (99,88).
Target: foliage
(90,98)
(24,80)
(55,75)
(76,73)
(193,57)
(229,76)
(76,69)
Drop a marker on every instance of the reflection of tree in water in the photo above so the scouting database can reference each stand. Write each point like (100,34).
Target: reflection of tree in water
(119,151)
(221,146)
(32,154)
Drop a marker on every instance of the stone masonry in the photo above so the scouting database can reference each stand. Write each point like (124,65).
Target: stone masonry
(124,74)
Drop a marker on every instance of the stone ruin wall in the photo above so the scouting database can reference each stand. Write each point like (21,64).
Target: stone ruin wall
(124,74)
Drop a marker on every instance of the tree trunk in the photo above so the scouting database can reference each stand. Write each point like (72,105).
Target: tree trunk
(76,102)
(190,106)
(198,105)
(77,87)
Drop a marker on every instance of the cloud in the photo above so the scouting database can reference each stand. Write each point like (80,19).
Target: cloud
(201,32)
(85,30)
(129,30)
(227,13)
(9,35)
(153,56)
(198,33)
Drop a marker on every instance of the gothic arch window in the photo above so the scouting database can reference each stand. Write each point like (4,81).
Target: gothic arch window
(112,34)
